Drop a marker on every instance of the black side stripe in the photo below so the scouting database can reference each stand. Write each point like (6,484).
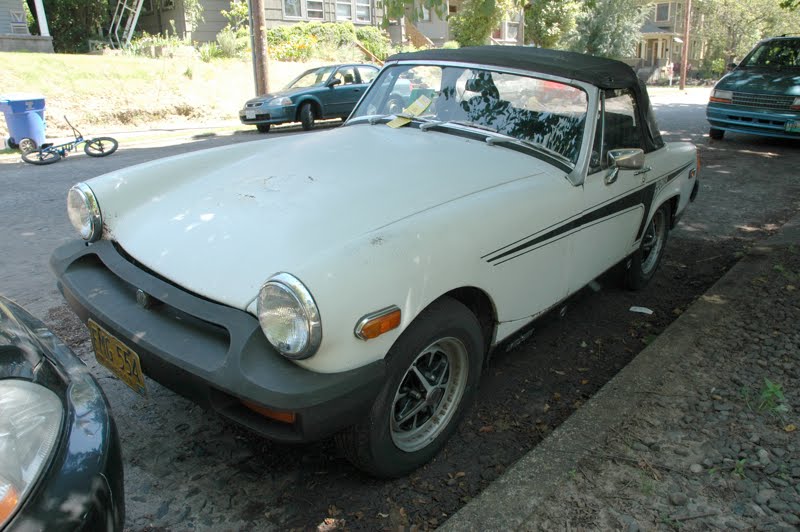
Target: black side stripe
(623,203)
(620,203)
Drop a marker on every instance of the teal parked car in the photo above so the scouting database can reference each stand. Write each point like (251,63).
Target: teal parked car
(320,93)
(761,96)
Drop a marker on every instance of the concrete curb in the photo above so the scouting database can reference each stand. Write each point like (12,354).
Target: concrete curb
(508,502)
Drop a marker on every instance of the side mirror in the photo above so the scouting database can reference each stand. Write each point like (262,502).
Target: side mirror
(626,159)
(335,81)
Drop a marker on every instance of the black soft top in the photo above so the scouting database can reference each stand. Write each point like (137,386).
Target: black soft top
(599,71)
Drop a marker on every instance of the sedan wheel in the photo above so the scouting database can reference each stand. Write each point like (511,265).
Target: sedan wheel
(307,117)
(432,374)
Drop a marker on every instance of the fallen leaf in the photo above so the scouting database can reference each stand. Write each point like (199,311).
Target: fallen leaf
(790,288)
(330,524)
(556,396)
(584,344)
(546,407)
(486,428)
(790,427)
(383,516)
(584,381)
(333,511)
(460,474)
(557,372)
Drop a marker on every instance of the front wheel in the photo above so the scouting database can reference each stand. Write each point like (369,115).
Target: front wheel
(716,134)
(432,376)
(262,128)
(307,117)
(100,146)
(644,262)
(41,157)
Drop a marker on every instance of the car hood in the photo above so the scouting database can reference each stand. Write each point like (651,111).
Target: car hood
(765,80)
(281,93)
(219,222)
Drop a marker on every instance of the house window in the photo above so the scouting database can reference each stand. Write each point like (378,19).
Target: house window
(292,9)
(662,12)
(363,11)
(344,10)
(314,9)
(362,8)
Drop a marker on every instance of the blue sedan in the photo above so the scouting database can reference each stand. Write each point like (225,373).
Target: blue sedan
(320,93)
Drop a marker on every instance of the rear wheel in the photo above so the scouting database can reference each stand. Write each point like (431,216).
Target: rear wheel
(41,157)
(100,146)
(262,128)
(644,262)
(432,376)
(715,133)
(307,117)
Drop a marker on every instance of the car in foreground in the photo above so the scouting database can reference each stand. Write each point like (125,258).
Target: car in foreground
(761,96)
(60,460)
(360,292)
(319,93)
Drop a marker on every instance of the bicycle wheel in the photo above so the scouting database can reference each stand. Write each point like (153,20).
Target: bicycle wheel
(100,146)
(41,157)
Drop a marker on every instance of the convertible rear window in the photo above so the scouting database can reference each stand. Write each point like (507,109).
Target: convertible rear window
(547,114)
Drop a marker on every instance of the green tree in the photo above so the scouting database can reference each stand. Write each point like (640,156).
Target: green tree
(547,22)
(730,28)
(476,19)
(73,22)
(609,28)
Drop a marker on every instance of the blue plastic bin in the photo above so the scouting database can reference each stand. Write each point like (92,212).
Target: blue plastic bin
(24,117)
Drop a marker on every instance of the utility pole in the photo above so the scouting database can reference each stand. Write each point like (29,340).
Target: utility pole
(687,18)
(259,49)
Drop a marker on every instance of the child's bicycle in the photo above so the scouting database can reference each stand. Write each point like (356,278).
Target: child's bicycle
(49,153)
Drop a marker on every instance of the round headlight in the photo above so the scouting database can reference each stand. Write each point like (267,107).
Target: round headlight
(30,423)
(289,317)
(84,212)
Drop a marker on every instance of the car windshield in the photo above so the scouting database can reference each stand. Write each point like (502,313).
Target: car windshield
(546,114)
(311,78)
(782,53)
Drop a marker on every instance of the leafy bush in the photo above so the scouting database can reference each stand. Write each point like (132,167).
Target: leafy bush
(143,44)
(328,41)
(451,45)
(232,43)
(374,40)
(73,22)
(209,51)
(291,45)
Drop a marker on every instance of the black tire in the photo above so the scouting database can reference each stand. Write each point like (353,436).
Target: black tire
(100,146)
(716,134)
(374,444)
(27,145)
(263,128)
(307,117)
(41,157)
(644,262)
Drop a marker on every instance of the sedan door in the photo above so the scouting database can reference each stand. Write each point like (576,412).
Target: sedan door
(342,98)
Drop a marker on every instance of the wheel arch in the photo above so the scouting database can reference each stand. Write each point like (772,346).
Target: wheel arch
(672,202)
(482,306)
(315,104)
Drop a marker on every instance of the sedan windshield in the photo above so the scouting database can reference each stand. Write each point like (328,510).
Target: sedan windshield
(311,78)
(546,114)
(783,53)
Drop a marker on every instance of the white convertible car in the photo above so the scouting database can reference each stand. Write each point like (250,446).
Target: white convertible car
(354,281)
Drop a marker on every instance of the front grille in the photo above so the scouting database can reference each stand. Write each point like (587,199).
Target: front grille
(763,101)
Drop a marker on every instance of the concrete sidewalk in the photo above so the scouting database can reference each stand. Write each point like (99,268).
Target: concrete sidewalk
(684,436)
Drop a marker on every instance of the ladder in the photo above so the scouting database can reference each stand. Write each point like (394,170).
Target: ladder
(126,14)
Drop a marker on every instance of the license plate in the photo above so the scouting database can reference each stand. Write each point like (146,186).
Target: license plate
(117,357)
(792,126)
(249,114)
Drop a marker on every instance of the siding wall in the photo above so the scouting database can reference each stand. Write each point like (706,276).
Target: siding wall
(6,7)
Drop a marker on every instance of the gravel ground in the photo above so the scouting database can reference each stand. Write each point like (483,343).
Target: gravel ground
(715,446)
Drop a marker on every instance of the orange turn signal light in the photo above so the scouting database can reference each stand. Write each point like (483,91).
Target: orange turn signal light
(719,100)
(283,417)
(8,503)
(375,324)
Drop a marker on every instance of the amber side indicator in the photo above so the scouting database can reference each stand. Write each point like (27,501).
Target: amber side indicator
(375,324)
(719,100)
(283,417)
(8,502)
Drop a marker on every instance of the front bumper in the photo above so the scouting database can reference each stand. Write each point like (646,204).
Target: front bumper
(82,487)
(742,119)
(268,115)
(215,355)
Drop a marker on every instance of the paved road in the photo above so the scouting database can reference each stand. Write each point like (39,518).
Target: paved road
(182,465)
